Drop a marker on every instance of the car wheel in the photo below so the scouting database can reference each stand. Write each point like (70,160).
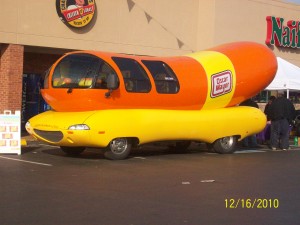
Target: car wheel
(73,151)
(210,147)
(182,146)
(118,149)
(225,145)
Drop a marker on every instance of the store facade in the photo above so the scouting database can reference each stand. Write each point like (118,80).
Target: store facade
(33,34)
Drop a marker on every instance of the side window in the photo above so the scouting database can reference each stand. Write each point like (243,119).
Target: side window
(81,71)
(101,78)
(165,79)
(135,77)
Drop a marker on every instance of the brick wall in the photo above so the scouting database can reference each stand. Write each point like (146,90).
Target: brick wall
(11,70)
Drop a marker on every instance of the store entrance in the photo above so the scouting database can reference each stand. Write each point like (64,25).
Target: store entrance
(32,101)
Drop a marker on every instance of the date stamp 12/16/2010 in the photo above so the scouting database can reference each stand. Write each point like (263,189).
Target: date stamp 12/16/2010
(248,203)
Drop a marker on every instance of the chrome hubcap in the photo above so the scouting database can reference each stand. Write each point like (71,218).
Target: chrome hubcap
(118,145)
(226,142)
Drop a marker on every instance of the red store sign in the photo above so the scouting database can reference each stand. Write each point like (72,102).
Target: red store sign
(282,35)
(76,13)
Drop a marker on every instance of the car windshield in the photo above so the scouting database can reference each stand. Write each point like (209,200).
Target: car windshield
(81,71)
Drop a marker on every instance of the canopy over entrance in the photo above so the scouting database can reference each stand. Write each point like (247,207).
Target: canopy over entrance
(287,77)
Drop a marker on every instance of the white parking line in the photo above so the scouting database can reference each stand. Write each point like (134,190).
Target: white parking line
(248,151)
(19,160)
(52,146)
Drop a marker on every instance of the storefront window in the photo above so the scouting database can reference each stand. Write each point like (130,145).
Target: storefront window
(294,96)
(165,80)
(262,96)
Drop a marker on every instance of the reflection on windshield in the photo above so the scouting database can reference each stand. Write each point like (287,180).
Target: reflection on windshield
(81,71)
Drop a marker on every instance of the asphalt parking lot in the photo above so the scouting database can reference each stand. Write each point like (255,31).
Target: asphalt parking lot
(154,186)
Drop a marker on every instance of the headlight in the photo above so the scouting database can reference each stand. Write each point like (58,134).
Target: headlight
(79,127)
(27,125)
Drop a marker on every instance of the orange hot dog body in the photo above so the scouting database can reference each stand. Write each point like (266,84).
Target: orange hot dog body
(249,67)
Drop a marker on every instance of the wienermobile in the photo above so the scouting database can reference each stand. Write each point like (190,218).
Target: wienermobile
(117,101)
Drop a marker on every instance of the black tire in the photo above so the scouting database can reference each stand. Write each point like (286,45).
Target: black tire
(118,149)
(210,147)
(73,151)
(182,146)
(225,145)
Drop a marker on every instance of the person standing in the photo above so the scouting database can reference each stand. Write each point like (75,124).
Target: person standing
(250,141)
(267,130)
(281,113)
(267,107)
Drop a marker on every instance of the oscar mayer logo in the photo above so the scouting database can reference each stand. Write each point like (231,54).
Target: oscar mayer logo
(221,83)
(75,13)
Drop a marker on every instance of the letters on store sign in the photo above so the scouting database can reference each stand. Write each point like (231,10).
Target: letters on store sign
(280,35)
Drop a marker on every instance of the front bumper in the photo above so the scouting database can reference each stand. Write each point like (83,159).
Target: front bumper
(65,129)
(71,138)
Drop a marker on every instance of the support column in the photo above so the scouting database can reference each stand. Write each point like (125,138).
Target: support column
(11,76)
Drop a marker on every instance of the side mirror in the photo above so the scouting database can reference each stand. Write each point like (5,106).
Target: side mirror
(112,84)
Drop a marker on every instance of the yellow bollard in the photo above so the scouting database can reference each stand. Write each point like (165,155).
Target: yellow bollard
(23,142)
